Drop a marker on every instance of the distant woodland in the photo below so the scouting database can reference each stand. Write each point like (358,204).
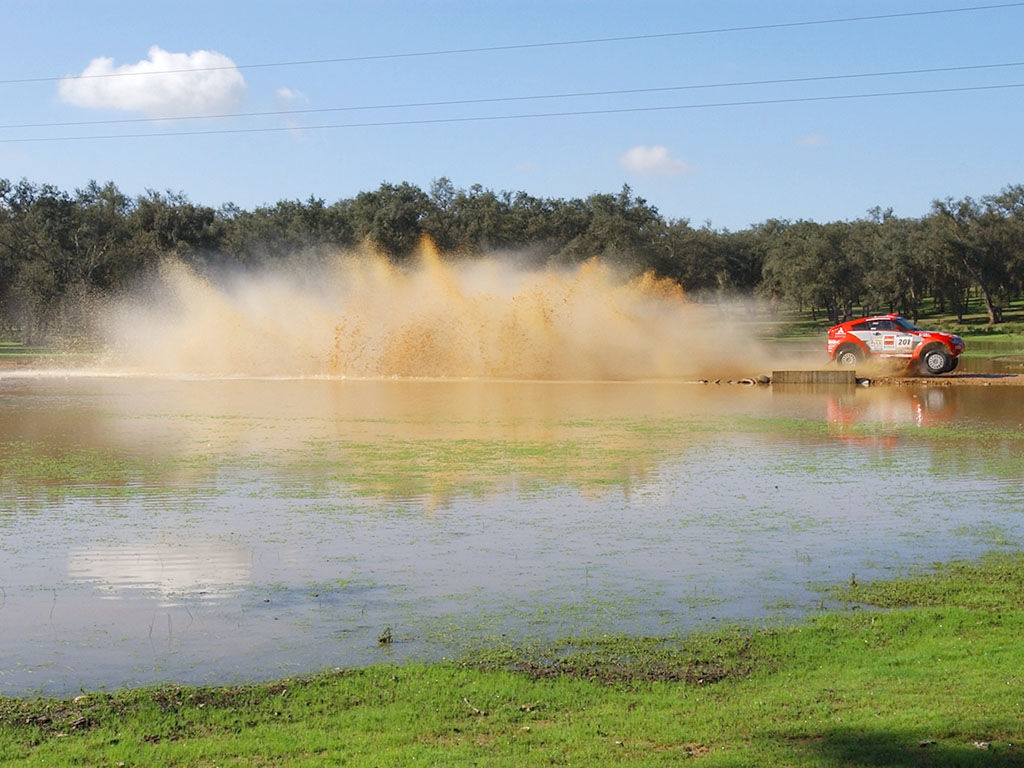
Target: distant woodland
(57,247)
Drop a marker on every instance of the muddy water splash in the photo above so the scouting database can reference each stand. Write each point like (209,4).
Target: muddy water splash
(361,316)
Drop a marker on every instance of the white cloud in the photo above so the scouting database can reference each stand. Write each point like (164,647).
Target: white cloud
(289,99)
(811,140)
(219,88)
(286,97)
(654,161)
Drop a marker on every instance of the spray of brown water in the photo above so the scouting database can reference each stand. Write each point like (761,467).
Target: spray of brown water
(361,316)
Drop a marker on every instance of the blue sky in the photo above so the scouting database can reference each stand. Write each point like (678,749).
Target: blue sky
(731,166)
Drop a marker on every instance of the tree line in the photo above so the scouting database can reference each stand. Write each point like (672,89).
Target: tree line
(57,247)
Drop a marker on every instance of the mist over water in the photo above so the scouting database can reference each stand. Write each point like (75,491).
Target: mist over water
(360,316)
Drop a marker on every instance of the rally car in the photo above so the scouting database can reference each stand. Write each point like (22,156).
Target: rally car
(894,337)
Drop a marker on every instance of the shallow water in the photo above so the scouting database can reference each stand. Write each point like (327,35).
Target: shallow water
(214,530)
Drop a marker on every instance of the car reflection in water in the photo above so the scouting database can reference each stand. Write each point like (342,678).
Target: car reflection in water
(172,573)
(850,415)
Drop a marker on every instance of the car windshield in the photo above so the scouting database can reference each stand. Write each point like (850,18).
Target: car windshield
(906,325)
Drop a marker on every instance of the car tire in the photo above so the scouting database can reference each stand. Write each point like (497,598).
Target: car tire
(935,361)
(848,356)
(953,364)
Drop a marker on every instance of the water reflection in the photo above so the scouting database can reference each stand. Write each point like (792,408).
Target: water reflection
(263,527)
(197,570)
(391,439)
(918,407)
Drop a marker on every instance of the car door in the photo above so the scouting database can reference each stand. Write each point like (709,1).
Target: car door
(881,337)
(907,338)
(905,343)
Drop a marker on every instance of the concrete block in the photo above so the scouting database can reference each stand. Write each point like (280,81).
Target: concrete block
(844,377)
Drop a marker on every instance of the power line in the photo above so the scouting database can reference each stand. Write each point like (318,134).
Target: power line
(535,115)
(507,99)
(526,46)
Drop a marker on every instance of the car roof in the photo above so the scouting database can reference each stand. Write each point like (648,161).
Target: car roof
(865,320)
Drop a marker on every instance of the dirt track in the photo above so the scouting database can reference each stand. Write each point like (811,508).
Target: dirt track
(953,380)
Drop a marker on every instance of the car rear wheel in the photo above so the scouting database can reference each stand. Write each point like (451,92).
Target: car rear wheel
(848,357)
(935,361)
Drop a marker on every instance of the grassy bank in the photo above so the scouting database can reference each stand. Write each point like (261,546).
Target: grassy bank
(13,350)
(14,354)
(936,678)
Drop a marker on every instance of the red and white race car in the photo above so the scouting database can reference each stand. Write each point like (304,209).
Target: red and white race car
(891,336)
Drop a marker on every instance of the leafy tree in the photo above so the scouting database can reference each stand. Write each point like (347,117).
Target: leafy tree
(707,262)
(979,238)
(8,254)
(897,271)
(101,236)
(816,266)
(274,232)
(483,221)
(440,221)
(40,245)
(392,217)
(621,228)
(169,224)
(56,246)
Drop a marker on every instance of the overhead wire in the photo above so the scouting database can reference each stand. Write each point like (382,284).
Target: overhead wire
(509,99)
(524,46)
(535,115)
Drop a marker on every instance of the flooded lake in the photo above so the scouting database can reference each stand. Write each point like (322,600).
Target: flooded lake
(218,530)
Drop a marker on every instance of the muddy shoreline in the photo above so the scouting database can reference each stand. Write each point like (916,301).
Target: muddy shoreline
(47,362)
(952,380)
(948,380)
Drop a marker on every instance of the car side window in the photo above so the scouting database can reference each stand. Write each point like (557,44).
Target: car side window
(859,326)
(881,325)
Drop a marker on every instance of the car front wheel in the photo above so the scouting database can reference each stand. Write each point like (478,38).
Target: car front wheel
(935,361)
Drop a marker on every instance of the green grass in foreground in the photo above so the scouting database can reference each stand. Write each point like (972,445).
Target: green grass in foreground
(937,680)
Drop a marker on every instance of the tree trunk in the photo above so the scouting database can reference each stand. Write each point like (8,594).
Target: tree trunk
(995,314)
